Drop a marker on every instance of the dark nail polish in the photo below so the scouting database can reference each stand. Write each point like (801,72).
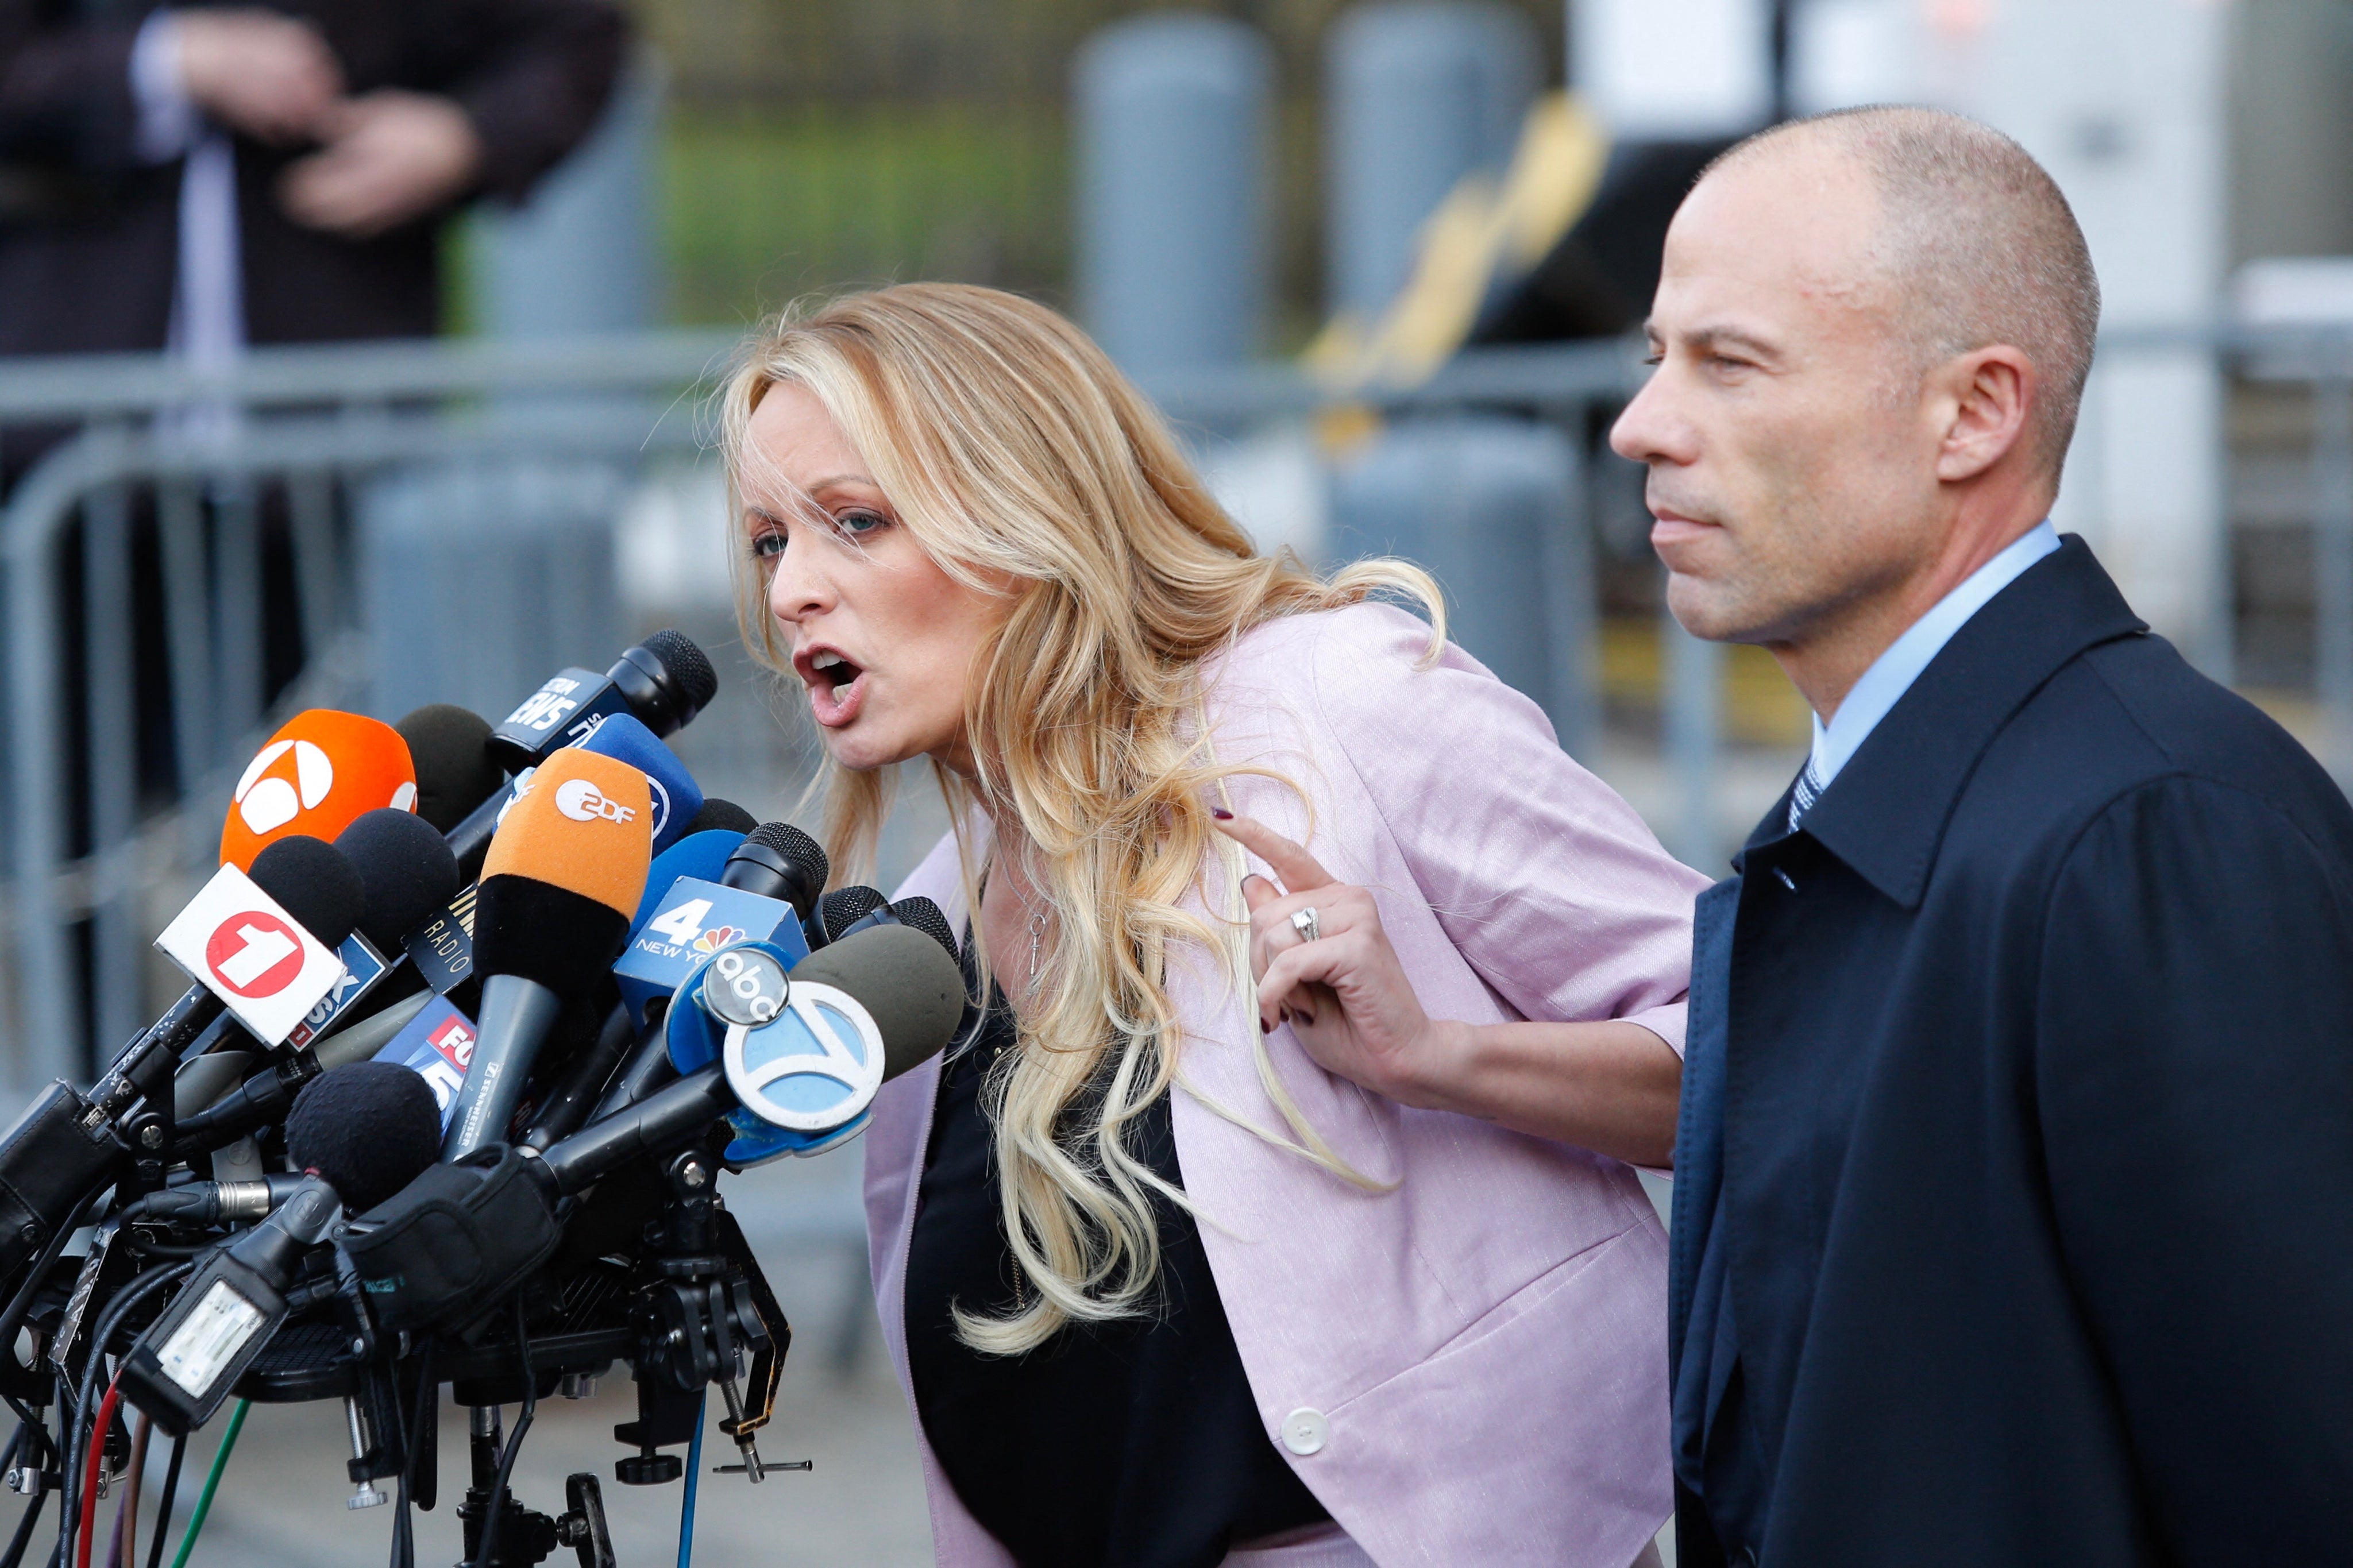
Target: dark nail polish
(1222,813)
(1264,1027)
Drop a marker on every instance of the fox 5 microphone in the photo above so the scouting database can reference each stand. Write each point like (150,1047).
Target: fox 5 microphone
(563,877)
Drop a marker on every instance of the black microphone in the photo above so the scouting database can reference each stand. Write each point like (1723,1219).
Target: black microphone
(665,681)
(367,1128)
(777,861)
(721,815)
(448,746)
(558,891)
(919,913)
(842,909)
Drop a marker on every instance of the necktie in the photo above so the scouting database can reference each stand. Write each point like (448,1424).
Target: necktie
(1803,793)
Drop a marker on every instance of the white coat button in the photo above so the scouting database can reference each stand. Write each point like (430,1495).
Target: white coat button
(1305,1430)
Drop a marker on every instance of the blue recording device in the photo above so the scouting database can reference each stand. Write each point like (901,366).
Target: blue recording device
(687,915)
(803,1060)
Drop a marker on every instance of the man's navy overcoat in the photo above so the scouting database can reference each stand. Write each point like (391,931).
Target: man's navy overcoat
(2014,1204)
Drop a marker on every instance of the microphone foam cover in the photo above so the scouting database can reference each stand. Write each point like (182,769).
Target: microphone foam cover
(676,796)
(583,824)
(919,914)
(543,932)
(313,881)
(368,1128)
(913,991)
(703,855)
(844,906)
(315,777)
(407,867)
(451,748)
(722,814)
(687,664)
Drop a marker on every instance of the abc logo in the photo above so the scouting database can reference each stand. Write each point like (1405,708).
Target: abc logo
(581,801)
(254,954)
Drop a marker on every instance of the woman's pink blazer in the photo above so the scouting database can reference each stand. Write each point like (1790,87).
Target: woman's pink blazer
(1477,1353)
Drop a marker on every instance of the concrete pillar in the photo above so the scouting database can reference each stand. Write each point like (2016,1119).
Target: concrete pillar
(1170,116)
(1416,96)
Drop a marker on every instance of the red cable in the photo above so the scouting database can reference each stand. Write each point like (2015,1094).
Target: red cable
(106,1410)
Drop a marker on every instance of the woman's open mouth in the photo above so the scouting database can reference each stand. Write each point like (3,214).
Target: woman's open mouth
(837,686)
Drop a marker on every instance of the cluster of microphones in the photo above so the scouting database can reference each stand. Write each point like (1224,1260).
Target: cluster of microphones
(480,1013)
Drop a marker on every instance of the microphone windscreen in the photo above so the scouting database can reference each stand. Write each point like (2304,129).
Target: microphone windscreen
(315,777)
(407,867)
(368,1129)
(721,816)
(583,823)
(844,906)
(686,665)
(451,748)
(913,991)
(676,796)
(919,914)
(778,860)
(702,855)
(313,881)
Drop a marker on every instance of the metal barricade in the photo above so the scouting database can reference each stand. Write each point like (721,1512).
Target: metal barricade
(310,421)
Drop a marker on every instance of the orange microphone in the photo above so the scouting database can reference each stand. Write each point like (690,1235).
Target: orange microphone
(319,774)
(559,888)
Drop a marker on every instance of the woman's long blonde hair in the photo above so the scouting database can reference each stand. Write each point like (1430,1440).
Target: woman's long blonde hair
(1011,449)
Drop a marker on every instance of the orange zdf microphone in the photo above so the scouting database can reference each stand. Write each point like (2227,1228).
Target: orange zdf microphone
(559,889)
(316,776)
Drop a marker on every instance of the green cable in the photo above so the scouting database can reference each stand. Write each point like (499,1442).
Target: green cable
(212,1483)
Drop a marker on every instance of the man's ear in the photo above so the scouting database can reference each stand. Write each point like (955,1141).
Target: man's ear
(1989,394)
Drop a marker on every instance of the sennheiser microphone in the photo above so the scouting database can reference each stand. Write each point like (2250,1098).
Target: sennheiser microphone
(564,876)
(455,771)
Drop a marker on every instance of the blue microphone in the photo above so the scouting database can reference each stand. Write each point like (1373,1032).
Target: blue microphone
(677,797)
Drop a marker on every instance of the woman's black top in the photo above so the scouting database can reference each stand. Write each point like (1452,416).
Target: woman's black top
(1133,1444)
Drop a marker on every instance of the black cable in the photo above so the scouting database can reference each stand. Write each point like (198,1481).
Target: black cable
(142,1242)
(514,1441)
(17,1544)
(412,1436)
(163,1508)
(138,1290)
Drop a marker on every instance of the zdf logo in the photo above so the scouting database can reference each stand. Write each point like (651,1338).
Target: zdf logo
(582,801)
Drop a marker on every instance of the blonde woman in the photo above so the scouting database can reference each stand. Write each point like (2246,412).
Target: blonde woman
(1163,1290)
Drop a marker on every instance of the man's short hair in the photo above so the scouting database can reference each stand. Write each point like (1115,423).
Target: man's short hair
(1981,241)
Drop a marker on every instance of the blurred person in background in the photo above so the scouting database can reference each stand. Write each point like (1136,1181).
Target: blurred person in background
(2016,1167)
(1163,1290)
(205,178)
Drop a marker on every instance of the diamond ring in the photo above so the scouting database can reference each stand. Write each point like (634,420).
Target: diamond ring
(1305,923)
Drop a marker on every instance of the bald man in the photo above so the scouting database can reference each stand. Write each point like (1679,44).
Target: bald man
(2013,1211)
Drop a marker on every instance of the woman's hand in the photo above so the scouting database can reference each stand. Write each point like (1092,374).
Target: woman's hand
(1606,1084)
(1345,995)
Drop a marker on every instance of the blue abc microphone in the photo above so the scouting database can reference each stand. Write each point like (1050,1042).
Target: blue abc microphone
(677,798)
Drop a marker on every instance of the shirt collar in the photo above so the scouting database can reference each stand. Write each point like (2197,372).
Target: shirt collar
(1891,675)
